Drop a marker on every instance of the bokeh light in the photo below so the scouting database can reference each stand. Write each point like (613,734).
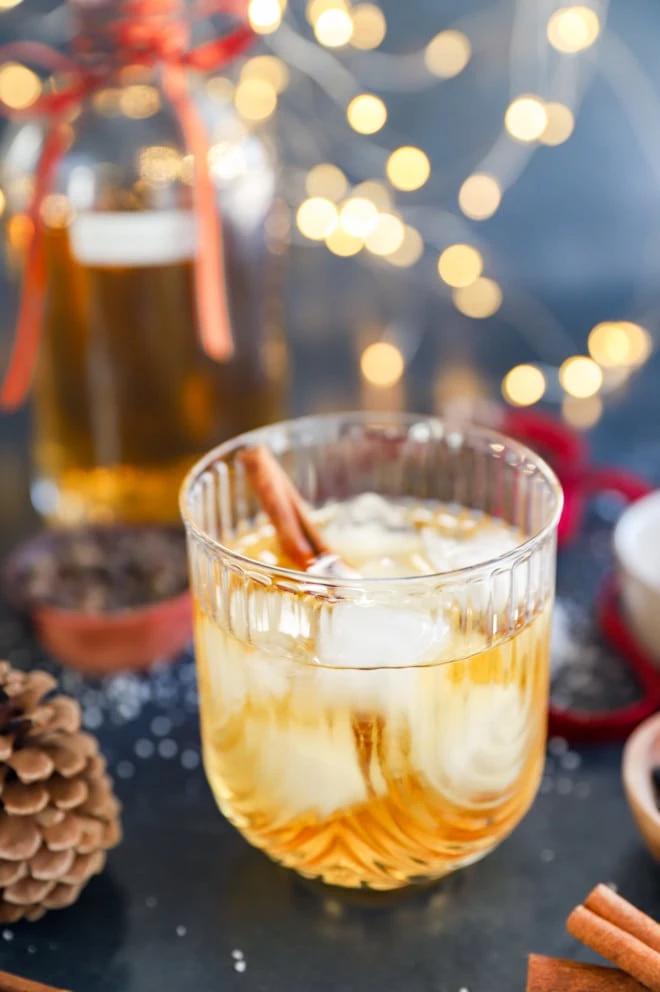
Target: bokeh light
(226,160)
(316,218)
(411,250)
(19,233)
(608,344)
(377,192)
(333,28)
(408,168)
(387,236)
(255,99)
(447,54)
(107,101)
(339,242)
(268,68)
(524,385)
(19,86)
(326,179)
(56,210)
(369,26)
(3,202)
(560,124)
(640,343)
(220,88)
(480,299)
(139,101)
(366,113)
(479,196)
(460,265)
(315,8)
(265,16)
(526,118)
(572,29)
(382,364)
(619,344)
(159,164)
(358,217)
(8,4)
(580,376)
(581,413)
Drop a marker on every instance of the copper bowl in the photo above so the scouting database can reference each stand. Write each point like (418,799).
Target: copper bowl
(104,641)
(641,755)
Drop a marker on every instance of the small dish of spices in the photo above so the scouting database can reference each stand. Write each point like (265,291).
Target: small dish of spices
(104,598)
(641,779)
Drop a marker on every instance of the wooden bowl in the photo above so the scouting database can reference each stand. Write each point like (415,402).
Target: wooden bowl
(98,643)
(640,756)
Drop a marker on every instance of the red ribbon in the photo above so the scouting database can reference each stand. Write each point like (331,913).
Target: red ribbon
(145,32)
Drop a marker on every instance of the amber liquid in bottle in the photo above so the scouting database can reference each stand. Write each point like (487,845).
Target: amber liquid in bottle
(125,398)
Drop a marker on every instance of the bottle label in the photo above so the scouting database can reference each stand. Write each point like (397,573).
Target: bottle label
(149,237)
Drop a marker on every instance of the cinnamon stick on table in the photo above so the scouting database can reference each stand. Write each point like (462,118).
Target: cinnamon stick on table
(556,975)
(621,933)
(608,904)
(14,983)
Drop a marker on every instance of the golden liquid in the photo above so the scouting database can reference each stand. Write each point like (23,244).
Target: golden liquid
(125,399)
(373,777)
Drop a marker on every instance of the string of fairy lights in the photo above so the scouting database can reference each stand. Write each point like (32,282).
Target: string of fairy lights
(360,210)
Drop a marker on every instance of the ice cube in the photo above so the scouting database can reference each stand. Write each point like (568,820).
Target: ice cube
(473,741)
(370,527)
(310,767)
(449,553)
(508,587)
(386,567)
(370,658)
(359,635)
(231,672)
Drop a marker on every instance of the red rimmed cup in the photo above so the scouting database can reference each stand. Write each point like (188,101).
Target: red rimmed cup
(612,724)
(105,641)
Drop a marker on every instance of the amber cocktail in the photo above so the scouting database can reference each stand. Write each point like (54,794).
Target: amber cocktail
(390,728)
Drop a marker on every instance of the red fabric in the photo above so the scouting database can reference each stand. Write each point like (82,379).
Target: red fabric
(145,32)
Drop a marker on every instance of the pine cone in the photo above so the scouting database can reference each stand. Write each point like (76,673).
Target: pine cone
(58,813)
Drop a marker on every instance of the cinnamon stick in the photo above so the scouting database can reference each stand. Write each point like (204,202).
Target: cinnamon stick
(300,538)
(616,945)
(14,983)
(557,975)
(606,903)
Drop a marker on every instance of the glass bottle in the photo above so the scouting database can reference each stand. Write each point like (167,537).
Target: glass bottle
(124,396)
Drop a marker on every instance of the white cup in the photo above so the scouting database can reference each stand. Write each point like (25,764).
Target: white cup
(637,552)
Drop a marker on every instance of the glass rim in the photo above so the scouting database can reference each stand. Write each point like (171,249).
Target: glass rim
(260,435)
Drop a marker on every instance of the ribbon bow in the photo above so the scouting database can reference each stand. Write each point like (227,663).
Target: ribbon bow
(143,32)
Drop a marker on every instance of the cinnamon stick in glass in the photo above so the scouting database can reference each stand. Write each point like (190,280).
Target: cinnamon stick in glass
(301,539)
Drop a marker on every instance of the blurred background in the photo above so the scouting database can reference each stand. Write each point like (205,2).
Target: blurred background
(470,192)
